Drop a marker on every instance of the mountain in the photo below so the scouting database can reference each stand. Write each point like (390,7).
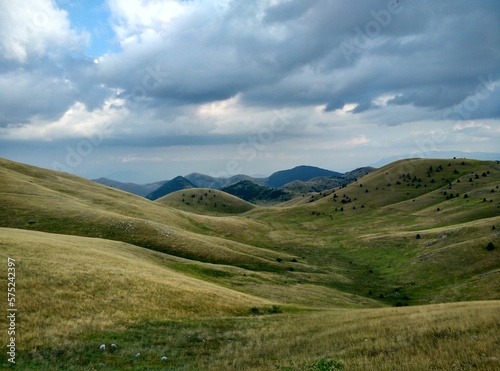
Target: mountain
(198,180)
(137,189)
(301,173)
(321,184)
(415,242)
(206,201)
(207,181)
(171,186)
(252,192)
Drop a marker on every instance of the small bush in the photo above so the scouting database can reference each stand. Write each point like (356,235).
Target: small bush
(326,365)
(418,236)
(490,247)
(275,309)
(255,311)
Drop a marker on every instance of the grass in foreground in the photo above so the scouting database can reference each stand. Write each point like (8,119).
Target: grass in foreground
(458,336)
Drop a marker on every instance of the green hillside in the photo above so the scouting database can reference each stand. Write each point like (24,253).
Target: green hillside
(356,275)
(206,201)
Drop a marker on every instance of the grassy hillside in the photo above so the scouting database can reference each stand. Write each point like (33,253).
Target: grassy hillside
(206,201)
(221,290)
(370,230)
(43,200)
(252,192)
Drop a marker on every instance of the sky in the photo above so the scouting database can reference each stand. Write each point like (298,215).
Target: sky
(145,90)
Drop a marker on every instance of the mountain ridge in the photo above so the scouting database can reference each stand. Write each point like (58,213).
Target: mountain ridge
(174,185)
(301,173)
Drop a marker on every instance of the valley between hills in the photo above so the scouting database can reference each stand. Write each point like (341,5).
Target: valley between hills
(398,268)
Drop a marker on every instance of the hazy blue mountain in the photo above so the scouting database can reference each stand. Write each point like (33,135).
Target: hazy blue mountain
(172,186)
(207,181)
(302,173)
(252,192)
(137,189)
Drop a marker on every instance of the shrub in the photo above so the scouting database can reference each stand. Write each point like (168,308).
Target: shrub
(418,236)
(490,247)
(255,311)
(275,309)
(326,365)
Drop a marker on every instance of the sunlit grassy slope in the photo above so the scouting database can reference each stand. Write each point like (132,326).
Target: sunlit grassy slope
(206,201)
(99,265)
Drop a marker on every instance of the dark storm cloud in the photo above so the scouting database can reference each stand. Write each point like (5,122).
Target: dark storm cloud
(425,54)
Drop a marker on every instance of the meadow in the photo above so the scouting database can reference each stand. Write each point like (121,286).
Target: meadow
(399,270)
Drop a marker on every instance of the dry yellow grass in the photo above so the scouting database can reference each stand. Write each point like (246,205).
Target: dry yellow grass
(458,336)
(68,284)
(307,259)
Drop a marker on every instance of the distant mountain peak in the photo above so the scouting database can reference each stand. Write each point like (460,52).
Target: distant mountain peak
(176,184)
(302,173)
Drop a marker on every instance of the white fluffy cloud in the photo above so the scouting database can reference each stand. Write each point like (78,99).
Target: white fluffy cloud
(32,28)
(357,76)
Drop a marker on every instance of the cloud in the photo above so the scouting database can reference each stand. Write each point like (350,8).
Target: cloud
(33,28)
(138,158)
(213,72)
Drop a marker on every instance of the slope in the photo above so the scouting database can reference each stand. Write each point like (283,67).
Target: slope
(44,200)
(348,248)
(369,231)
(75,294)
(206,201)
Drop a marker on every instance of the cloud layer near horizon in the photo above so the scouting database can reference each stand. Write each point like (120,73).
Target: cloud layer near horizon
(346,76)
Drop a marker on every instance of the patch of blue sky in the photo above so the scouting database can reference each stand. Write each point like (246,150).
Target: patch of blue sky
(92,16)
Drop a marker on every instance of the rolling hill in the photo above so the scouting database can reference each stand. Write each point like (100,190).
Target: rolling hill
(401,264)
(206,201)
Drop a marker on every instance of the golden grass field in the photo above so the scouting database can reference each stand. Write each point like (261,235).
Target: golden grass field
(336,280)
